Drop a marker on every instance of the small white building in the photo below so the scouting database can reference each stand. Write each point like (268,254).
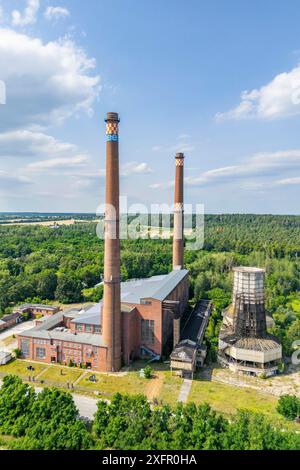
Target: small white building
(5,357)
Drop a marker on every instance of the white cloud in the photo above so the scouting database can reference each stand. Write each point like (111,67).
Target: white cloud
(24,143)
(46,82)
(135,168)
(288,181)
(59,163)
(278,99)
(264,165)
(28,16)
(56,13)
(45,152)
(7,180)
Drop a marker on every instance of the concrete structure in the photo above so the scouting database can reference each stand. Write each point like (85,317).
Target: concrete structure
(135,319)
(111,313)
(190,352)
(244,343)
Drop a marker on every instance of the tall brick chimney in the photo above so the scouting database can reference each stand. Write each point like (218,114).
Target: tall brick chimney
(178,239)
(111,313)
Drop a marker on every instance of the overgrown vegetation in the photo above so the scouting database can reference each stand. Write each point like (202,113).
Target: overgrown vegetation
(289,406)
(49,420)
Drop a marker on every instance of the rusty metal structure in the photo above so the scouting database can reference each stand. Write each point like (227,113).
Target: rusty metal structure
(111,312)
(178,236)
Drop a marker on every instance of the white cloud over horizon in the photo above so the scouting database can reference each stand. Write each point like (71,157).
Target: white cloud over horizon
(280,98)
(264,165)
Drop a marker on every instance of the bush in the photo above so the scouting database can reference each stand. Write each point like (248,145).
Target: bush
(17,352)
(289,406)
(148,372)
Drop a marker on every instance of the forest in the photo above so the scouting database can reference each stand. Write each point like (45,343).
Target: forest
(38,264)
(50,420)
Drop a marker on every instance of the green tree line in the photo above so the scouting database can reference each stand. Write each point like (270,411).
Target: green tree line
(50,420)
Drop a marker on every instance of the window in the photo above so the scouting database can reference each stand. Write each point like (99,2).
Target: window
(97,329)
(145,302)
(88,328)
(79,327)
(25,347)
(40,353)
(147,331)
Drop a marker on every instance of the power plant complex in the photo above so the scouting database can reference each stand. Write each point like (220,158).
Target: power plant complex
(144,317)
(136,318)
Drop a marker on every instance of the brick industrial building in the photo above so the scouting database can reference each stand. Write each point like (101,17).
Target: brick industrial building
(136,318)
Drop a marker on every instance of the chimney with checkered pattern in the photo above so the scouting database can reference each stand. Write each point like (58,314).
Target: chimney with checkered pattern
(111,312)
(178,238)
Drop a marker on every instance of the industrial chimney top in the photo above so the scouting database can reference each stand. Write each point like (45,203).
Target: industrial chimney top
(112,117)
(179,155)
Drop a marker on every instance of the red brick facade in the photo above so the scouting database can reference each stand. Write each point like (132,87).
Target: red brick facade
(147,324)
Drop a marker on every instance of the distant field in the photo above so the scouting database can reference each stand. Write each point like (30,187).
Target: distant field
(46,223)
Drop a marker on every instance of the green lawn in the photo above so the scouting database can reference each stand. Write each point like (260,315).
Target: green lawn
(170,388)
(228,399)
(18,367)
(109,384)
(60,375)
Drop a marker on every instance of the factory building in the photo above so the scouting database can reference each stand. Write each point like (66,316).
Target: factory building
(136,318)
(244,343)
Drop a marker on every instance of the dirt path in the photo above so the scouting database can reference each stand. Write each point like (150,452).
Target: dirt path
(154,386)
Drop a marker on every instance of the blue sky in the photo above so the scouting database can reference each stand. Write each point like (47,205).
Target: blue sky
(217,80)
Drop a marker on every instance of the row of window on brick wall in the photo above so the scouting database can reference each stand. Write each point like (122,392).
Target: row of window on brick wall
(88,328)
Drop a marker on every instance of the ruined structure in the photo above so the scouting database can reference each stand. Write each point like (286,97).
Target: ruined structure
(244,343)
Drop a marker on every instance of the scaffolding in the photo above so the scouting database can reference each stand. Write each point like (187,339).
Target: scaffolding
(249,318)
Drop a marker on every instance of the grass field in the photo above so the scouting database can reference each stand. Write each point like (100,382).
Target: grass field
(19,367)
(109,384)
(60,375)
(170,388)
(228,399)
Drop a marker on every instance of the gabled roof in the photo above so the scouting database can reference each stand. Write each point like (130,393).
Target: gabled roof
(185,351)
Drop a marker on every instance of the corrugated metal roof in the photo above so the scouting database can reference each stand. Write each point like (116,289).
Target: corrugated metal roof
(91,316)
(85,338)
(155,287)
